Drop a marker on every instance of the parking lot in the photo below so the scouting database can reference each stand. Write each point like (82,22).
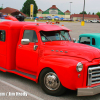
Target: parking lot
(14,87)
(77,29)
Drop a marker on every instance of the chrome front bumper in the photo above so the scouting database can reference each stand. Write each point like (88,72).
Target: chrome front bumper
(88,91)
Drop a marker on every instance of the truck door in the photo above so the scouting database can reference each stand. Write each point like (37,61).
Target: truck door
(26,56)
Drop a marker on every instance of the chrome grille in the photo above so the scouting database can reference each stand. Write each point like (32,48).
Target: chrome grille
(93,75)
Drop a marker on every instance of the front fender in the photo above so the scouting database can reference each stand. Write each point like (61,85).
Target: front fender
(65,68)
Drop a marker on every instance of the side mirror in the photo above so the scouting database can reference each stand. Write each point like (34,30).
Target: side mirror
(25,41)
(74,40)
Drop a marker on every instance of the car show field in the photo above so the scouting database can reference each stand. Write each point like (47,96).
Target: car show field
(15,85)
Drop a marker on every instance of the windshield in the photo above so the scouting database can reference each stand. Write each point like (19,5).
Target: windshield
(55,36)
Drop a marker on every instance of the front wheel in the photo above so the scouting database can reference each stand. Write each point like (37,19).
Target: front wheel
(50,83)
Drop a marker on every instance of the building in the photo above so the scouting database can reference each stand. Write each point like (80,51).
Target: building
(53,11)
(86,17)
(12,11)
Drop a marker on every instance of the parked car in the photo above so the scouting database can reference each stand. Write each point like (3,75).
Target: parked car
(92,39)
(20,17)
(94,21)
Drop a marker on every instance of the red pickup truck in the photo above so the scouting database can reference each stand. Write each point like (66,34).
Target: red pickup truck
(46,54)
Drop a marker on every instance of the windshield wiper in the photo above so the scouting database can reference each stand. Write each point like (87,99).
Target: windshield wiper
(46,37)
(65,37)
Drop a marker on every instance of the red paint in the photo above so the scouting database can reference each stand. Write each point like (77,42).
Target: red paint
(10,18)
(27,60)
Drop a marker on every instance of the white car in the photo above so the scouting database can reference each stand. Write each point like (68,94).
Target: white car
(94,21)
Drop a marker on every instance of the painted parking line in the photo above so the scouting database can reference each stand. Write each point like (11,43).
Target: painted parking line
(21,90)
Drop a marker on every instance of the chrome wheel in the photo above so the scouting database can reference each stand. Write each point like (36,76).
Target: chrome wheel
(51,81)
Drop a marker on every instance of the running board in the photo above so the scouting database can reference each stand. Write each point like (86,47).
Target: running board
(19,73)
(29,75)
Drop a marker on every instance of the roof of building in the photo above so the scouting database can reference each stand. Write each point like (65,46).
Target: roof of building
(85,15)
(67,11)
(9,10)
(60,12)
(39,10)
(53,7)
(46,12)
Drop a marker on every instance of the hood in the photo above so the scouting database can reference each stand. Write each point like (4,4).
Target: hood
(67,48)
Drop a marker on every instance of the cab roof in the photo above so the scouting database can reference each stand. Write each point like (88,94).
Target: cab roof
(96,35)
(40,26)
(47,27)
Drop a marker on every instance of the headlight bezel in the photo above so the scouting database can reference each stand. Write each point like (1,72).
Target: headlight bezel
(79,67)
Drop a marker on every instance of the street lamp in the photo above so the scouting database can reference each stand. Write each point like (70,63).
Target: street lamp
(83,9)
(2,5)
(70,7)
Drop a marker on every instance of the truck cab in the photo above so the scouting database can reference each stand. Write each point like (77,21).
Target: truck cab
(91,39)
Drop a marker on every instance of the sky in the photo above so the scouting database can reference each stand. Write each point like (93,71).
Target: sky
(76,6)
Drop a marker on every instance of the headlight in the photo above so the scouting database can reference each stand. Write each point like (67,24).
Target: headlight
(79,67)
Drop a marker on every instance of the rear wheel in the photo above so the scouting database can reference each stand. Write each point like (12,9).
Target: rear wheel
(50,83)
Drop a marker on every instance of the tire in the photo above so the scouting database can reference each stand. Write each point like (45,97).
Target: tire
(50,83)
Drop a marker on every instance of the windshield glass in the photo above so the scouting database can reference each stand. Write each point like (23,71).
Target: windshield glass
(55,36)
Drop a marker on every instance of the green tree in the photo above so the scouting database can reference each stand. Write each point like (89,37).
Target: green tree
(1,8)
(93,13)
(82,12)
(89,13)
(98,13)
(21,10)
(26,7)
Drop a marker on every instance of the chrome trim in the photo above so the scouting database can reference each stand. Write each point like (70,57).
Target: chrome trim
(51,81)
(57,50)
(96,75)
(66,51)
(93,75)
(79,65)
(19,45)
(89,77)
(95,82)
(25,41)
(95,79)
(88,91)
(52,50)
(96,72)
(35,47)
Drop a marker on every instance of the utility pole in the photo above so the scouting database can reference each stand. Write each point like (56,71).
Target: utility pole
(82,22)
(2,5)
(70,7)
(83,9)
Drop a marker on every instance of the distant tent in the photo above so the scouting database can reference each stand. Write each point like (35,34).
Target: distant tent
(55,17)
(61,18)
(36,17)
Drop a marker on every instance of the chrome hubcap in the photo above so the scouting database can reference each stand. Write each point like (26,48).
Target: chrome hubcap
(51,81)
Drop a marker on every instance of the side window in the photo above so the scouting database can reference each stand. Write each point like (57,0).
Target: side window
(93,41)
(31,35)
(2,35)
(85,40)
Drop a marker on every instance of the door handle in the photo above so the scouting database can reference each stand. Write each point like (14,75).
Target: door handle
(35,47)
